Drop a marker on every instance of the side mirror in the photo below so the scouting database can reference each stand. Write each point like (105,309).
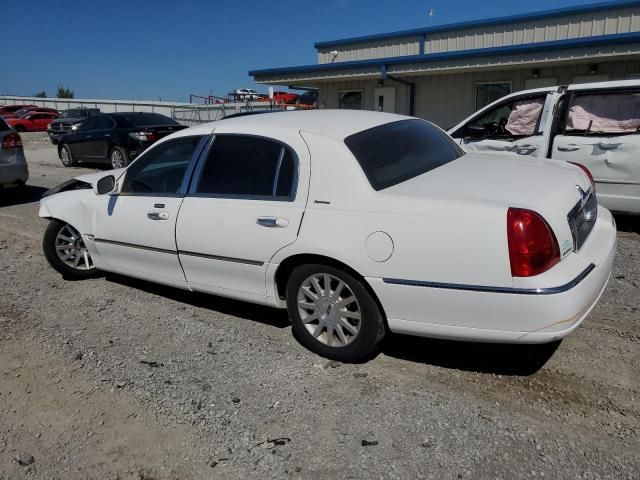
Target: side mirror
(105,185)
(475,131)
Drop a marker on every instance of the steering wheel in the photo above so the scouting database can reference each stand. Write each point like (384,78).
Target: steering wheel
(502,126)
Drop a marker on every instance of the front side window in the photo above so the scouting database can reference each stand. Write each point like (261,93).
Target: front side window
(104,123)
(399,151)
(487,93)
(246,166)
(604,114)
(510,120)
(161,169)
(89,124)
(351,99)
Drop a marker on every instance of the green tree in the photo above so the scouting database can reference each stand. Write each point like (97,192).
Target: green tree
(41,94)
(64,92)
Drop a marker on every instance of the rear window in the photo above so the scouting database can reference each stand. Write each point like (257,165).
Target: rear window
(146,120)
(3,126)
(395,152)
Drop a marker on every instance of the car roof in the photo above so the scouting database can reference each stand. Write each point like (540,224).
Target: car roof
(337,124)
(604,85)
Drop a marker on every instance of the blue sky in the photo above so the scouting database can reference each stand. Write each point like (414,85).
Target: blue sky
(148,49)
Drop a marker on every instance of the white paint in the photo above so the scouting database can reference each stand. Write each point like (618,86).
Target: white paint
(448,225)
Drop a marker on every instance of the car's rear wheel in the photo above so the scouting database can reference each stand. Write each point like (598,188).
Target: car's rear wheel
(66,157)
(66,252)
(118,158)
(333,313)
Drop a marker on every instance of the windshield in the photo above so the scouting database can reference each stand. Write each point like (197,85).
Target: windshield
(396,152)
(73,113)
(22,111)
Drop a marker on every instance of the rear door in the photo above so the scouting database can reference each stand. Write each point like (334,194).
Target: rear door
(515,125)
(600,129)
(245,203)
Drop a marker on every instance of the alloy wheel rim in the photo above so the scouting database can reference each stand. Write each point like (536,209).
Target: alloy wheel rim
(66,156)
(329,310)
(117,159)
(71,249)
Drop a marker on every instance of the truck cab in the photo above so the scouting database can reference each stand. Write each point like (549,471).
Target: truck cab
(596,125)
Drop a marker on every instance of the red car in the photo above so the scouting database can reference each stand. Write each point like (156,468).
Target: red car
(11,109)
(285,97)
(32,121)
(23,111)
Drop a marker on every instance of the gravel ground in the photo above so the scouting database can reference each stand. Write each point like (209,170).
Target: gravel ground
(114,378)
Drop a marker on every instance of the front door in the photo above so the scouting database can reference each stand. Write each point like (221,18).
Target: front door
(384,99)
(601,130)
(515,125)
(245,205)
(81,144)
(135,230)
(100,136)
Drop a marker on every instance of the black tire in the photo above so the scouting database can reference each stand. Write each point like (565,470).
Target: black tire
(372,326)
(51,254)
(66,157)
(20,129)
(118,153)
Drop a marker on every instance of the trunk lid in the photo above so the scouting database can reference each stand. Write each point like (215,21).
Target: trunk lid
(558,191)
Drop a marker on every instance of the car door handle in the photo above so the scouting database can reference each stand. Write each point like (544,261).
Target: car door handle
(107,134)
(568,148)
(608,146)
(272,222)
(158,215)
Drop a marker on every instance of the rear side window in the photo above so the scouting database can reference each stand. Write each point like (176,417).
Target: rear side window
(604,113)
(395,152)
(248,167)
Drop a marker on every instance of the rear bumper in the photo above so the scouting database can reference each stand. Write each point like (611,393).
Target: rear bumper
(13,173)
(535,314)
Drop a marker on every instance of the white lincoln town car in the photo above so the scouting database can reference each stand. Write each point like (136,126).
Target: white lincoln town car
(359,223)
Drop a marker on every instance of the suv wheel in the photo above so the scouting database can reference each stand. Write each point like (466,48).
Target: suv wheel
(118,158)
(65,156)
(333,314)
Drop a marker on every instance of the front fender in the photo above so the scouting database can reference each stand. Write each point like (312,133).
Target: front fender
(73,207)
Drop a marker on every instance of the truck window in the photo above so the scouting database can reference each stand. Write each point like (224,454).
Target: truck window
(517,118)
(604,113)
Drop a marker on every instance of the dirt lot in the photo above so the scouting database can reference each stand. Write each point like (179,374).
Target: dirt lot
(113,378)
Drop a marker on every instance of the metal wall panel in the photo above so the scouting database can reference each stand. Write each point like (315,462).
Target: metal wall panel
(609,22)
(613,21)
(396,47)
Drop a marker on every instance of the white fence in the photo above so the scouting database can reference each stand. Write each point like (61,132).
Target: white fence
(184,113)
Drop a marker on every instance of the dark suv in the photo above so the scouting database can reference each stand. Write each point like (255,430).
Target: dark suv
(115,138)
(69,120)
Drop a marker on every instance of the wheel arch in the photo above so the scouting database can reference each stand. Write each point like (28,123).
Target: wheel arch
(283,272)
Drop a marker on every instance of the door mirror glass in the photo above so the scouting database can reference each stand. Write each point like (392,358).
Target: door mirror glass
(105,185)
(475,131)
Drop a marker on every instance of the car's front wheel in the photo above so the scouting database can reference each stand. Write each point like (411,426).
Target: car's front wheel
(66,157)
(118,158)
(66,252)
(20,128)
(333,313)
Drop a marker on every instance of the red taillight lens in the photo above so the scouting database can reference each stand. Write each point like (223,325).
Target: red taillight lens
(587,172)
(12,140)
(533,248)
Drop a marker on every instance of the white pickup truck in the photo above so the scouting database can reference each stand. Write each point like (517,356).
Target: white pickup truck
(596,125)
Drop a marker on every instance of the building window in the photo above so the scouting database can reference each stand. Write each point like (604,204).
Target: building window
(351,99)
(489,92)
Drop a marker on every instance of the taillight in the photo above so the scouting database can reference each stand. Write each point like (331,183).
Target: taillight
(12,140)
(143,136)
(588,173)
(533,248)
